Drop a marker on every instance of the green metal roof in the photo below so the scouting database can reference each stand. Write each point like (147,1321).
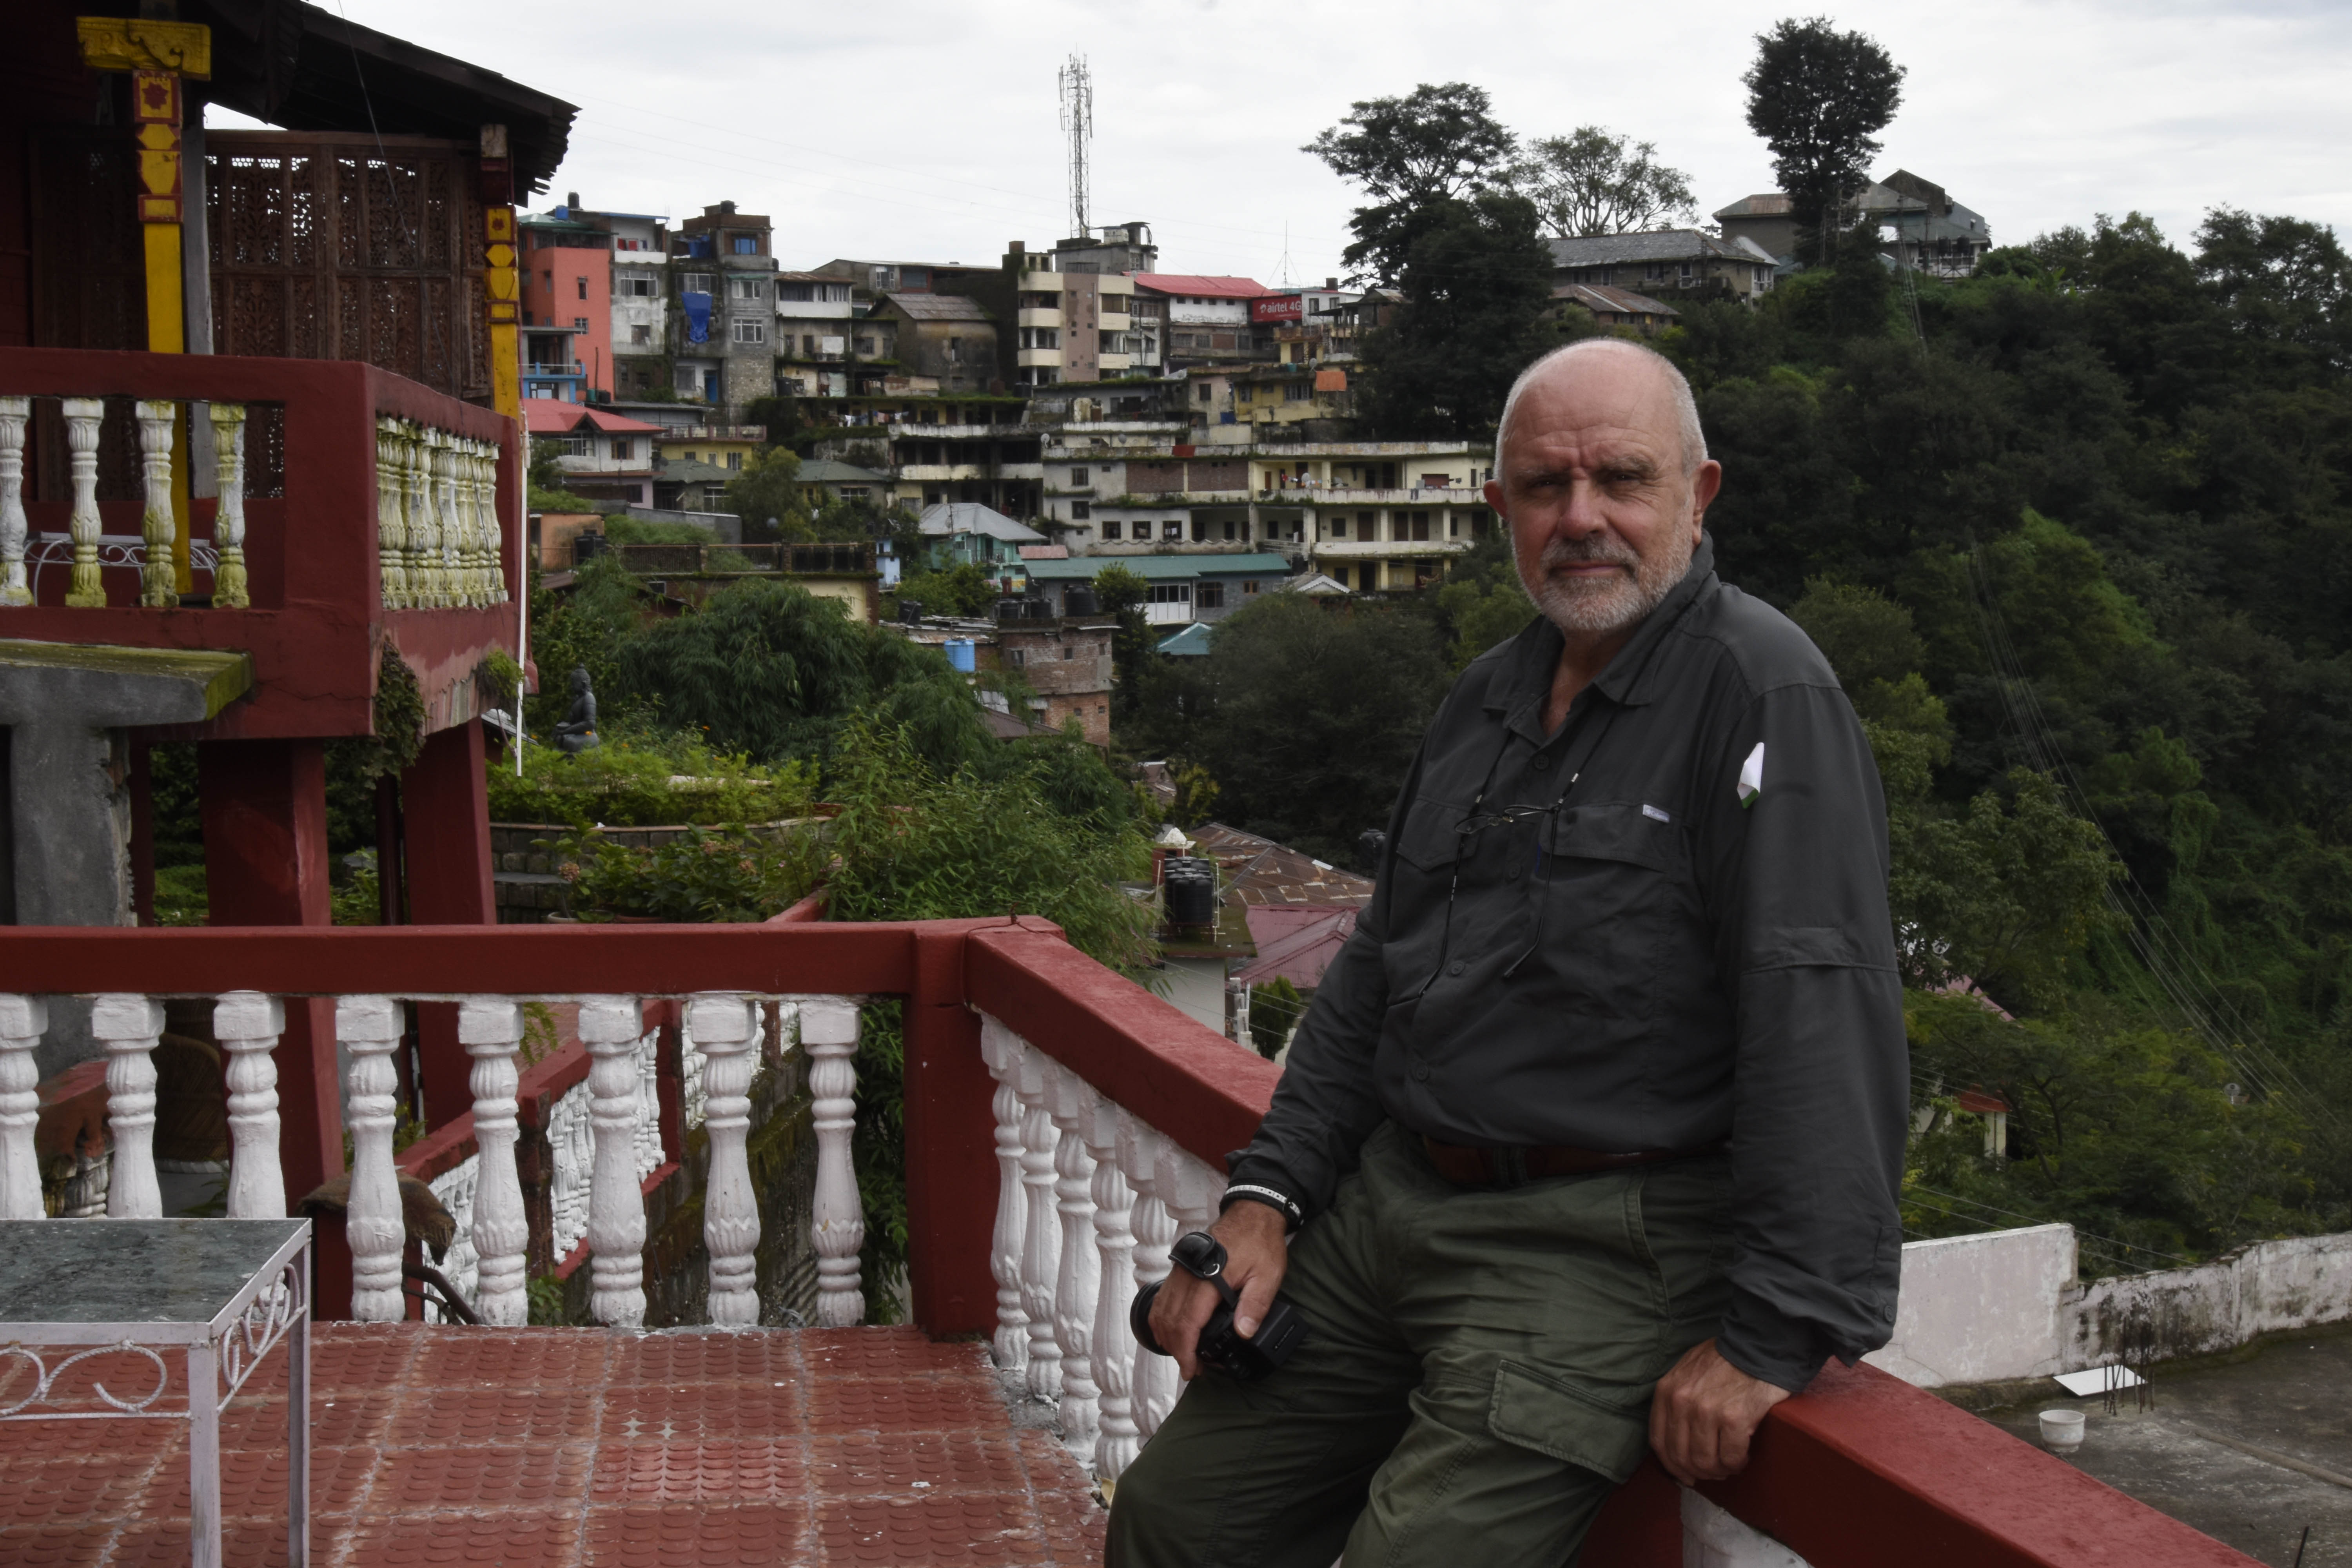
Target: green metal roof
(1192,642)
(1157,568)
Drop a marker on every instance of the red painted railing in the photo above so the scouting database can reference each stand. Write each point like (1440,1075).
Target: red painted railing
(317,623)
(1861,1470)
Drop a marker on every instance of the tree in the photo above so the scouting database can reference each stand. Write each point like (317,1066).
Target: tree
(780,415)
(1477,281)
(1594,181)
(1317,717)
(1122,593)
(1436,143)
(767,496)
(962,589)
(1482,600)
(1819,96)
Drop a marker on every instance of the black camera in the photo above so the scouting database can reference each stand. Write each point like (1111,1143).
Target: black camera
(1202,1256)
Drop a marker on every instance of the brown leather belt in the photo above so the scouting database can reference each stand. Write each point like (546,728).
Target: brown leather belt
(1512,1167)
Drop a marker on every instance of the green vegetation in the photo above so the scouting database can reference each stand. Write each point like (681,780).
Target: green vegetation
(1819,98)
(645,778)
(962,590)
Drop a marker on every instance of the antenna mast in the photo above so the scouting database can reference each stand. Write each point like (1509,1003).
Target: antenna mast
(1077,89)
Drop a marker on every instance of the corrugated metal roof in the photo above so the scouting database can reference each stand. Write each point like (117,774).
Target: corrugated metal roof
(553,417)
(1257,871)
(1764,203)
(947,517)
(938,306)
(1600,297)
(1162,568)
(1192,642)
(1191,283)
(1652,245)
(825,471)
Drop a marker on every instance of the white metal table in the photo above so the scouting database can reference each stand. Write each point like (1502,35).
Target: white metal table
(228,1289)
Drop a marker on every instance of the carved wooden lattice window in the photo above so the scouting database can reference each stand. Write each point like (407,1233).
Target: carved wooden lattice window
(342,247)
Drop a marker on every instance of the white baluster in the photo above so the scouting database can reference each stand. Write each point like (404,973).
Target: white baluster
(83,417)
(1154,1390)
(391,516)
(247,1024)
(1076,1284)
(610,1027)
(829,1032)
(1041,1233)
(490,1028)
(485,521)
(127,1026)
(1111,1345)
(445,512)
(424,532)
(231,588)
(492,540)
(725,1028)
(370,1029)
(1188,1186)
(23,1021)
(157,578)
(1001,1048)
(14,412)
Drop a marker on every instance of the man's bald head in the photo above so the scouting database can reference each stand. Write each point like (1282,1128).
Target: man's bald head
(1567,361)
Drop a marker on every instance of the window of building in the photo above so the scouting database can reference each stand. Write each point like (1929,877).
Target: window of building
(747,331)
(798,292)
(572,446)
(1019,656)
(1077,476)
(1171,593)
(747,289)
(1080,512)
(641,337)
(579,323)
(1250,586)
(735,462)
(746,246)
(549,276)
(1110,529)
(865,348)
(1211,596)
(808,345)
(1230,533)
(1203,387)
(1169,531)
(582,283)
(621,449)
(695,282)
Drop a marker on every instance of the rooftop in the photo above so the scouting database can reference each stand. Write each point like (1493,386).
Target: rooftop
(1652,245)
(948,517)
(1164,567)
(938,307)
(1186,283)
(575,1445)
(553,417)
(1600,297)
(1260,871)
(825,471)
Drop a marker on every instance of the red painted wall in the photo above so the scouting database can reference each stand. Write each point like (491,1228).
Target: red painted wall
(553,278)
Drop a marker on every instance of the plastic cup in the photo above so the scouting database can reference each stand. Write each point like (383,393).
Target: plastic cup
(2062,1430)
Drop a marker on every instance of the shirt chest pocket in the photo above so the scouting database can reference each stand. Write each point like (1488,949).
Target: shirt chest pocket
(1611,896)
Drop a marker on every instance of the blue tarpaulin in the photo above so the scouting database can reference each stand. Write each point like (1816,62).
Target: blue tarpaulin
(697,316)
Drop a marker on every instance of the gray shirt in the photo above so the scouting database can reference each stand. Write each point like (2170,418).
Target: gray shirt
(1660,927)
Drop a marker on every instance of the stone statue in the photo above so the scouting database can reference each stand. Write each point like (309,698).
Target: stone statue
(577,732)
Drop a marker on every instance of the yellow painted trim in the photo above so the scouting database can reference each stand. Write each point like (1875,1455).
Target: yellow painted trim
(131,43)
(167,318)
(501,288)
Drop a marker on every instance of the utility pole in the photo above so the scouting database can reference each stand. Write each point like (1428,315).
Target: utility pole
(1077,89)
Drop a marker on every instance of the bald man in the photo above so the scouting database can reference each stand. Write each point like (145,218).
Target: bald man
(1590,1143)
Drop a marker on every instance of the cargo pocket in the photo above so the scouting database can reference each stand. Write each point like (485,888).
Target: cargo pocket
(1595,1428)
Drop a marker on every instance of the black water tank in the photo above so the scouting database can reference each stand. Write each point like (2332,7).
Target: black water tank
(1081,601)
(911,612)
(1190,890)
(586,547)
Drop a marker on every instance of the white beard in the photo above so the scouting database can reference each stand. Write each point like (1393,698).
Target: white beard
(1589,606)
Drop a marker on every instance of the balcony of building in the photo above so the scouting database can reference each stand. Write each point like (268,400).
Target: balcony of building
(1062,1126)
(1038,316)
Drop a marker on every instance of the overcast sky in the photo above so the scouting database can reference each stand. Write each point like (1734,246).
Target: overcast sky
(923,130)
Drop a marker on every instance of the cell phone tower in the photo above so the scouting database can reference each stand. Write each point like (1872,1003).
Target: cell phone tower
(1078,120)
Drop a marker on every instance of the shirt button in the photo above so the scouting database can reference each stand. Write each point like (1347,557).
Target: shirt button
(1514,875)
(1420,1072)
(1453,968)
(1543,764)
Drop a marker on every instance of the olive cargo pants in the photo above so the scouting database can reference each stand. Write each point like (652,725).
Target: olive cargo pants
(1474,1380)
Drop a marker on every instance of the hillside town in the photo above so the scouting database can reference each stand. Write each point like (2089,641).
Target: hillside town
(670,897)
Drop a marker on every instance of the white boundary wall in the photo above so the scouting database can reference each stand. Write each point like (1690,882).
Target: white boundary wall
(2001,1305)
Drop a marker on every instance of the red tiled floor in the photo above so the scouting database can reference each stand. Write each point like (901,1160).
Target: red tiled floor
(558,1445)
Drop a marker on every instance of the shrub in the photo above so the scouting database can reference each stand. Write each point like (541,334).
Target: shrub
(640,779)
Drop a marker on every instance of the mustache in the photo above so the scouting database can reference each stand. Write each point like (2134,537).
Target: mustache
(1584,552)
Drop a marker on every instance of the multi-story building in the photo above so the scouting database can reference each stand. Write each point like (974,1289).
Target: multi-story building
(1665,263)
(567,310)
(1919,226)
(816,315)
(1068,325)
(724,276)
(604,456)
(1068,663)
(1375,516)
(1209,318)
(947,340)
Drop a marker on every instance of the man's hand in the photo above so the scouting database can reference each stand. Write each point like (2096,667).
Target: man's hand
(1704,1414)
(1255,1257)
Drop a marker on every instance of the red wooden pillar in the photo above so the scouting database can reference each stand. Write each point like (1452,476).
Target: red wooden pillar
(952,1177)
(264,814)
(446,827)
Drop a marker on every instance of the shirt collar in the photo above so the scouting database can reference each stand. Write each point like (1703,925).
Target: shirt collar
(1522,683)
